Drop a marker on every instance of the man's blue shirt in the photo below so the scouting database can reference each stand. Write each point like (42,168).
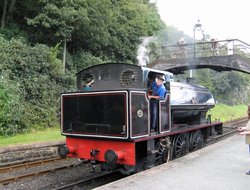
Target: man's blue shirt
(158,90)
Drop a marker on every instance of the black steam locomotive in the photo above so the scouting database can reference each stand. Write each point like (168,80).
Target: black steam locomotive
(107,120)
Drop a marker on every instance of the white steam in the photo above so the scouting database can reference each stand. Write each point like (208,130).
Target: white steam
(143,52)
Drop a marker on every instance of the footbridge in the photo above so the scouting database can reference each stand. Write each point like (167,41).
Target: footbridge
(223,55)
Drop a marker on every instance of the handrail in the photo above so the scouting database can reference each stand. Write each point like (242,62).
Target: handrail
(203,49)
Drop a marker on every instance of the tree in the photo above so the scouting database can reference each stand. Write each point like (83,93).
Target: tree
(7,11)
(62,17)
(132,20)
(106,28)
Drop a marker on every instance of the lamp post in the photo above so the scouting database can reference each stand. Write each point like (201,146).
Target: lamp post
(197,27)
(64,54)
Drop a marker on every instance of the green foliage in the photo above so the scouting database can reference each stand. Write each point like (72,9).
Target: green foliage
(205,77)
(12,109)
(225,113)
(230,87)
(13,31)
(56,65)
(37,73)
(63,17)
(106,28)
(84,59)
(131,20)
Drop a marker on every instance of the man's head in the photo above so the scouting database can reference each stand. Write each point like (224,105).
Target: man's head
(160,79)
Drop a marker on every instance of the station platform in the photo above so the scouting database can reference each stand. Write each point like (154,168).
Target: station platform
(220,166)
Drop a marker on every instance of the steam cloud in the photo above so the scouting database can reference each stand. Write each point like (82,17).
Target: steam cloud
(143,52)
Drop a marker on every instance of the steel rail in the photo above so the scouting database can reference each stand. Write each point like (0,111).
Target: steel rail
(28,164)
(15,178)
(96,176)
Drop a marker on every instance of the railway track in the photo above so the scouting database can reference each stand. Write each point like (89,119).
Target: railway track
(101,177)
(25,166)
(229,129)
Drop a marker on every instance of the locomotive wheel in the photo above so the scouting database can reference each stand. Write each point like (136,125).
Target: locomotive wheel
(196,140)
(181,145)
(164,151)
(163,156)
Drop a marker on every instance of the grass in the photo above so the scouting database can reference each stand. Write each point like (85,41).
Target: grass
(219,112)
(46,135)
(224,112)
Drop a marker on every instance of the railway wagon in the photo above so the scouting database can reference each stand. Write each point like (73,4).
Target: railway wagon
(107,120)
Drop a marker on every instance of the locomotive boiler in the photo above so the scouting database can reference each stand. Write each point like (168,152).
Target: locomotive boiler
(109,121)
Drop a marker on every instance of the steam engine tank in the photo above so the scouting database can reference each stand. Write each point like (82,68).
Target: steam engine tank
(190,103)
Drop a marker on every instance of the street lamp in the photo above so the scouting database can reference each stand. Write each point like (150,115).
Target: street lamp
(64,52)
(197,27)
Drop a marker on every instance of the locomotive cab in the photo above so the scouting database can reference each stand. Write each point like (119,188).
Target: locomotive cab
(116,106)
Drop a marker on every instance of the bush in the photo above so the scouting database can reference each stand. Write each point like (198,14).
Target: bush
(12,109)
(84,59)
(35,81)
(14,31)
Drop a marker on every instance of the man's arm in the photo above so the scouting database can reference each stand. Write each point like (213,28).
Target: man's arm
(154,97)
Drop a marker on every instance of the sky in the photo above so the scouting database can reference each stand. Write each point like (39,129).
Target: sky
(220,19)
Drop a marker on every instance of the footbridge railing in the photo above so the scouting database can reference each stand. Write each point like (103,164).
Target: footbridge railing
(220,55)
(205,49)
